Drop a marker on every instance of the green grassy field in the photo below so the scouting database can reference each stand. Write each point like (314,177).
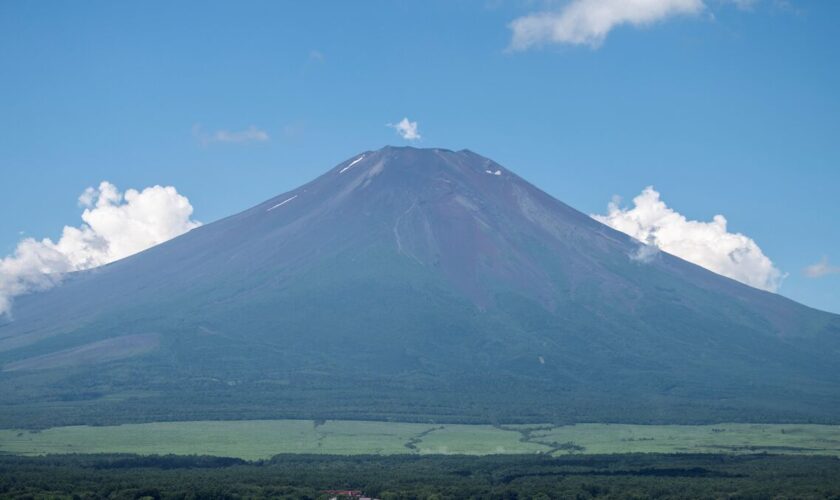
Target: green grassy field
(260,439)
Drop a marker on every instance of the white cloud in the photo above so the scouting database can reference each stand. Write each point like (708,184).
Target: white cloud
(821,268)
(114,225)
(707,244)
(645,253)
(250,134)
(406,129)
(587,22)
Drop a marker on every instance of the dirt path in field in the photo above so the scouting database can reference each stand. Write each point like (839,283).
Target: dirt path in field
(412,443)
(527,436)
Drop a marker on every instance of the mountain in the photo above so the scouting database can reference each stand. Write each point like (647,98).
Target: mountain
(413,284)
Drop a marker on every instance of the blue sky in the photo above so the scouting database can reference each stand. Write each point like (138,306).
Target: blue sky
(725,108)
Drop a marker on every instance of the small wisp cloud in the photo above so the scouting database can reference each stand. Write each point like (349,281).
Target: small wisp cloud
(820,269)
(114,225)
(250,134)
(707,244)
(406,129)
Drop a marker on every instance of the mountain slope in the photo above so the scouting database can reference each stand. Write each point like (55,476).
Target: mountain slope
(413,284)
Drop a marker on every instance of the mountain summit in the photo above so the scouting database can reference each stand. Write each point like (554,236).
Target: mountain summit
(413,284)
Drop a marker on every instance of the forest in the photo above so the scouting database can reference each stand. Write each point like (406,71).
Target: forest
(420,477)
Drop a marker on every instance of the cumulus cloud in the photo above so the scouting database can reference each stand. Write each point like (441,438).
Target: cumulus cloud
(250,134)
(645,253)
(114,225)
(821,268)
(406,129)
(707,244)
(588,22)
